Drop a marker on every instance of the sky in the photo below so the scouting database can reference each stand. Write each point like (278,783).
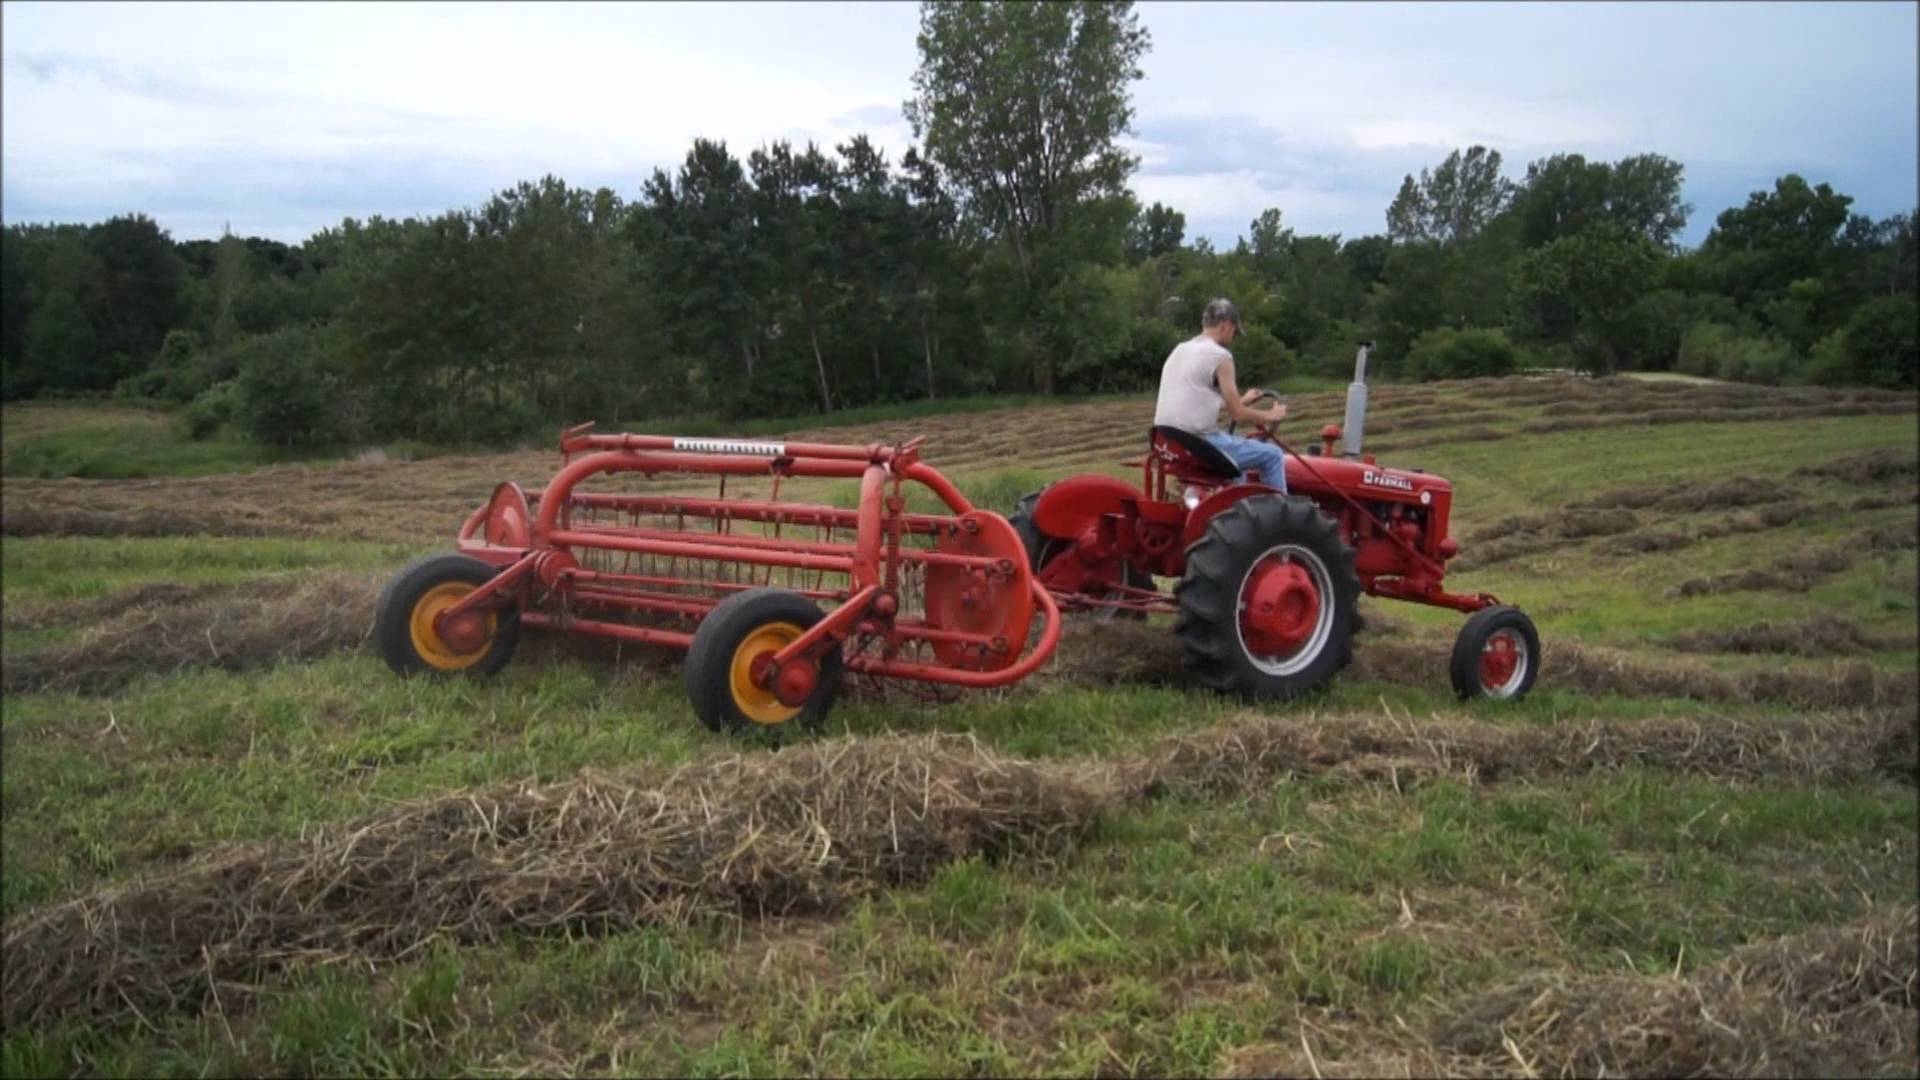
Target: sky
(282,119)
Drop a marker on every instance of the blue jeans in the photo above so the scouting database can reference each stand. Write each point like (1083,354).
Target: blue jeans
(1249,454)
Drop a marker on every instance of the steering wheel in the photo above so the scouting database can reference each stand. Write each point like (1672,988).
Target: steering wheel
(1260,431)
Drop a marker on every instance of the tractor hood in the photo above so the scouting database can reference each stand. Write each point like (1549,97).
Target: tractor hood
(1364,481)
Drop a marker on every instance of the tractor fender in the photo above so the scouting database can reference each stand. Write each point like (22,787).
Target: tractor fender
(1202,515)
(1066,509)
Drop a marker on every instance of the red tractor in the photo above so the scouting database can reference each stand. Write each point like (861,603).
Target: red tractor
(1268,582)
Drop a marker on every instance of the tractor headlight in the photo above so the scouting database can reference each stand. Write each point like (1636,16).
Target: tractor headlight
(1190,498)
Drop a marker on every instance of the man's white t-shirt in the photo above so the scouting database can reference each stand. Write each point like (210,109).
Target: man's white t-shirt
(1188,398)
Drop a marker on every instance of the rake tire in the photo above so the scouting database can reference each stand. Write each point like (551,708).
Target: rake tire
(710,661)
(1219,564)
(393,631)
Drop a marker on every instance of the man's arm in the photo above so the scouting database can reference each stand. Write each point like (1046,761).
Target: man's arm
(1237,407)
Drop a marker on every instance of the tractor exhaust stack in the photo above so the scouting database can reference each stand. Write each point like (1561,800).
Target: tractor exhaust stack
(1357,402)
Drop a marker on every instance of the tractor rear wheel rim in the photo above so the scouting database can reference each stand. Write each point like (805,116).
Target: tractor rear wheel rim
(1503,664)
(1307,609)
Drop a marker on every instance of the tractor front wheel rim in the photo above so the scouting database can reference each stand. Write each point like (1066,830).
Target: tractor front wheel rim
(1285,616)
(1503,664)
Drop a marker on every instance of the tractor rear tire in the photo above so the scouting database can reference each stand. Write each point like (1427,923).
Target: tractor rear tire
(719,663)
(1270,533)
(1041,548)
(403,619)
(1497,655)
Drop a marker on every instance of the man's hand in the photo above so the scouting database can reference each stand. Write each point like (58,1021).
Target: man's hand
(1251,396)
(1276,413)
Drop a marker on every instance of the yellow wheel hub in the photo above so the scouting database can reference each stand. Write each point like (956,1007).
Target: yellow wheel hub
(758,703)
(427,645)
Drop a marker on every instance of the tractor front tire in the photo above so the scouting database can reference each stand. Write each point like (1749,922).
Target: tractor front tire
(719,665)
(1497,655)
(403,621)
(1042,548)
(1267,606)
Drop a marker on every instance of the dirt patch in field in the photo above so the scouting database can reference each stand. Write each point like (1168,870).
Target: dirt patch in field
(1834,1001)
(235,627)
(1821,635)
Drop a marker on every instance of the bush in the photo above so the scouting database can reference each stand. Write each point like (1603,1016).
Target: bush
(179,373)
(1447,353)
(209,413)
(1827,362)
(292,389)
(1259,358)
(1713,351)
(1881,344)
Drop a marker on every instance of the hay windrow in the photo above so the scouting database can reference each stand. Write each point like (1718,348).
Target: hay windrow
(235,627)
(1884,466)
(93,609)
(1570,665)
(1832,1001)
(1820,635)
(807,829)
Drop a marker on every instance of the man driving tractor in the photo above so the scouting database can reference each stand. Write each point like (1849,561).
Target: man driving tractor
(1198,380)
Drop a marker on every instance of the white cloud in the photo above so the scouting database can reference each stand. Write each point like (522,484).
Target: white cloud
(284,116)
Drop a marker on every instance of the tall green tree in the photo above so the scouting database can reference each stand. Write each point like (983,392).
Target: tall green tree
(1023,106)
(1158,230)
(1580,291)
(1565,194)
(1450,203)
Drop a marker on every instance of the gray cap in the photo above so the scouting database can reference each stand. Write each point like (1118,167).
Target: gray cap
(1219,310)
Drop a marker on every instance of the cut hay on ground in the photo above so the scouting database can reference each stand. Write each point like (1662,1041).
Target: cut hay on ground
(51,613)
(235,627)
(1592,669)
(1776,516)
(805,829)
(1885,466)
(1820,635)
(1833,1001)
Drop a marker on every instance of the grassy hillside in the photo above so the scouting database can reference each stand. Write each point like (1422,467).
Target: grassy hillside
(1709,798)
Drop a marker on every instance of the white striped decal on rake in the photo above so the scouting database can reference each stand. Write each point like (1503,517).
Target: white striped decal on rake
(731,446)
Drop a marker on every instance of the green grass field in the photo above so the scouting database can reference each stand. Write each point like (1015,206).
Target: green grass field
(1310,921)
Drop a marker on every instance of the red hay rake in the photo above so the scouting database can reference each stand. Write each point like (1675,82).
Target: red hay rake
(773,600)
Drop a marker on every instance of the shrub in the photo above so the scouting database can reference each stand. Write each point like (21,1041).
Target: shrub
(1828,363)
(1721,352)
(179,373)
(206,415)
(1883,343)
(292,389)
(1447,353)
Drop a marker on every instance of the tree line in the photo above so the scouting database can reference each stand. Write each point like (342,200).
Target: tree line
(1003,253)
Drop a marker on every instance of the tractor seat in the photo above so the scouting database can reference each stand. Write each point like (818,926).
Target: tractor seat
(1189,456)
